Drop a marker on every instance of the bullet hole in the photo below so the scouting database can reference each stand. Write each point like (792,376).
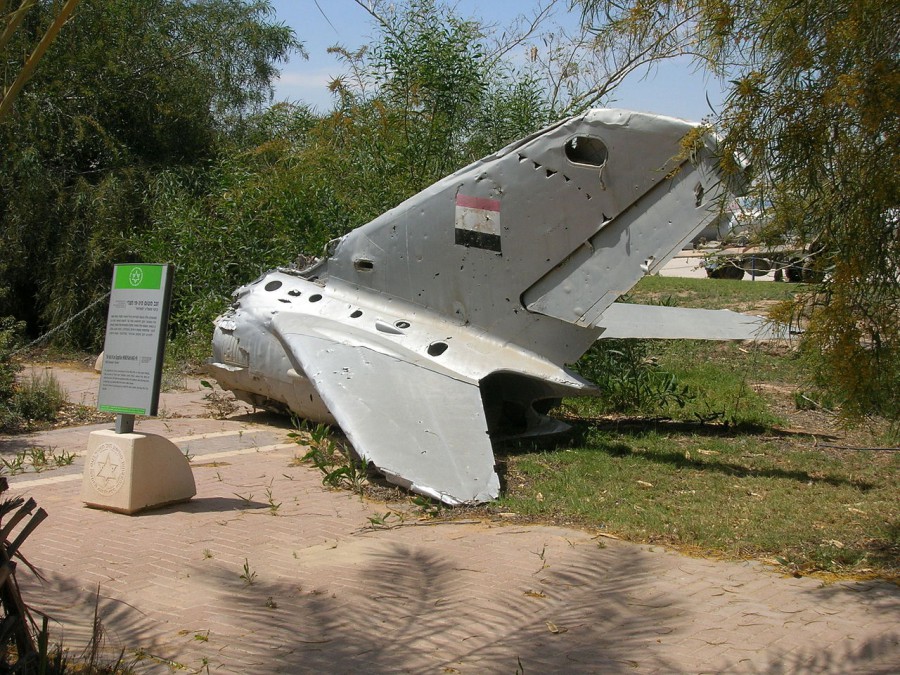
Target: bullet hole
(437,348)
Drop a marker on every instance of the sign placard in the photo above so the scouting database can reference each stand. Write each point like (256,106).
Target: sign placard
(135,339)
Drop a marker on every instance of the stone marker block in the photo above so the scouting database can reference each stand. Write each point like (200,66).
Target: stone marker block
(132,472)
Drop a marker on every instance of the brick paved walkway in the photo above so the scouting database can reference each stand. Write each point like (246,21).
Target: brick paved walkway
(330,593)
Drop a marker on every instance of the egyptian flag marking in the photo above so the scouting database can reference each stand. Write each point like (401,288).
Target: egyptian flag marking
(478,222)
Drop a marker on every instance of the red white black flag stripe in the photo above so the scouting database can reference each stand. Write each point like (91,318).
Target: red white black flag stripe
(478,222)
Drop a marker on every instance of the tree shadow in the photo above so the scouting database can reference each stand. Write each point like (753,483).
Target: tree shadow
(617,448)
(426,600)
(640,427)
(875,656)
(402,608)
(408,609)
(678,460)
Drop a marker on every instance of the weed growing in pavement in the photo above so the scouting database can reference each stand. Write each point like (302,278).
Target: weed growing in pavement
(15,464)
(248,575)
(247,500)
(428,506)
(65,458)
(91,661)
(221,404)
(38,458)
(339,465)
(273,505)
(385,520)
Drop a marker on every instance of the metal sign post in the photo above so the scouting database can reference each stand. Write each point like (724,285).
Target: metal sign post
(127,471)
(135,342)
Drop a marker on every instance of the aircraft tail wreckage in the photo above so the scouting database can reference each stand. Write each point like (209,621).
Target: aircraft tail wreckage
(449,319)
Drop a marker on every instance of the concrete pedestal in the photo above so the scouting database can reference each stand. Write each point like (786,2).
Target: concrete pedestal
(132,472)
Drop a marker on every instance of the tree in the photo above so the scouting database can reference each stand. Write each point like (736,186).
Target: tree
(130,87)
(13,20)
(424,99)
(813,105)
(412,107)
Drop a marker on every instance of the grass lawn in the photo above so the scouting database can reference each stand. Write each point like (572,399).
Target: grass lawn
(733,469)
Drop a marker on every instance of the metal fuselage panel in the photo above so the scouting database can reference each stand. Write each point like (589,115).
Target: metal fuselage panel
(251,358)
(453,315)
(547,209)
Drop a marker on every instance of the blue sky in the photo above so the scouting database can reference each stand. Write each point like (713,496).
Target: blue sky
(673,88)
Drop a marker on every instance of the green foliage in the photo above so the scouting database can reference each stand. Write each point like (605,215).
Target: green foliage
(737,495)
(340,467)
(149,142)
(630,377)
(9,339)
(431,72)
(424,101)
(416,106)
(248,576)
(129,87)
(37,399)
(814,107)
(38,458)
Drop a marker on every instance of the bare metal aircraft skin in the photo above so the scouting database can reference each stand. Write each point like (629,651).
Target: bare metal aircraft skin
(449,319)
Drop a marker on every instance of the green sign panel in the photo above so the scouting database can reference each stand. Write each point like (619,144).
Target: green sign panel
(135,339)
(138,277)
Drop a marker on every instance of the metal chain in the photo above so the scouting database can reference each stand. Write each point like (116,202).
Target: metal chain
(60,326)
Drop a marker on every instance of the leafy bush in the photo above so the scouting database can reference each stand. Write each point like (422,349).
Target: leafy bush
(630,378)
(38,398)
(8,339)
(9,331)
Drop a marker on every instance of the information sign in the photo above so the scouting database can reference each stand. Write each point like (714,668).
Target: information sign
(135,339)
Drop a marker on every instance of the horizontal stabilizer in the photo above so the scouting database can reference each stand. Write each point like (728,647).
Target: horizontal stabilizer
(624,320)
(426,431)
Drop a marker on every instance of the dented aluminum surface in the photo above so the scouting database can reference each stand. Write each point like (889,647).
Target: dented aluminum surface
(448,321)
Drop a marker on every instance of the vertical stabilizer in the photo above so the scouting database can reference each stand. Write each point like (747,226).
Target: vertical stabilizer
(532,243)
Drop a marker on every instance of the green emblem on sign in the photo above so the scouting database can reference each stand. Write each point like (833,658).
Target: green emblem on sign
(138,277)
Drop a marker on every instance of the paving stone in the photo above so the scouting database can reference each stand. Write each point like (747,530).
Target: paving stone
(331,594)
